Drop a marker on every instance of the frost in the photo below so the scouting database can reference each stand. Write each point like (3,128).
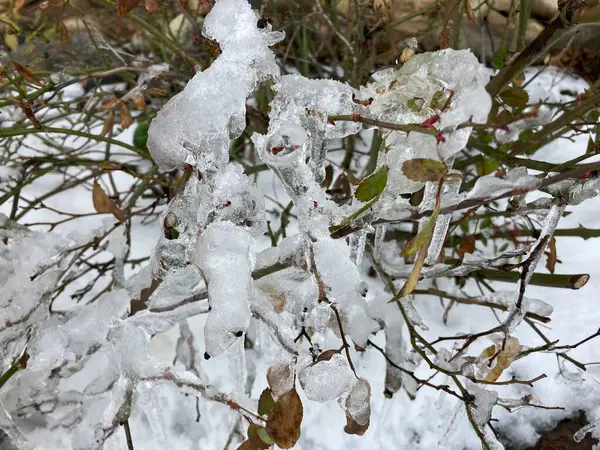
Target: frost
(327,380)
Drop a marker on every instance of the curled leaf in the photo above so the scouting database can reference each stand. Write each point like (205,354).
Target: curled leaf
(26,74)
(126,119)
(423,169)
(285,419)
(103,203)
(108,123)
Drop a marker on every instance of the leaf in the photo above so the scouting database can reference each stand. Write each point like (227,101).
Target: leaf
(552,256)
(415,104)
(138,102)
(326,355)
(63,33)
(152,5)
(246,445)
(110,103)
(353,427)
(422,236)
(467,245)
(285,419)
(506,356)
(470,13)
(358,408)
(328,176)
(265,402)
(103,203)
(157,92)
(423,169)
(372,186)
(140,135)
(413,278)
(259,437)
(437,100)
(108,123)
(11,40)
(280,377)
(126,119)
(124,6)
(26,74)
(514,96)
(26,108)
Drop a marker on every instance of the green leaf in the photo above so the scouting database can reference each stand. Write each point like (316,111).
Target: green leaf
(265,402)
(423,237)
(437,100)
(422,169)
(140,135)
(415,104)
(372,186)
(499,58)
(514,96)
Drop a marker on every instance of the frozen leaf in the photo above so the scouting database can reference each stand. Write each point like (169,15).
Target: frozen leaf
(285,419)
(422,169)
(358,408)
(372,186)
(103,203)
(26,74)
(280,376)
(467,245)
(423,236)
(125,116)
(507,351)
(327,380)
(265,402)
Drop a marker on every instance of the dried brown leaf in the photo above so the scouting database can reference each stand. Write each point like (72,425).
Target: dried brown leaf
(110,103)
(124,6)
(353,427)
(138,102)
(26,74)
(108,123)
(467,245)
(26,108)
(552,255)
(326,355)
(470,13)
(152,5)
(125,115)
(103,203)
(157,92)
(285,419)
(63,33)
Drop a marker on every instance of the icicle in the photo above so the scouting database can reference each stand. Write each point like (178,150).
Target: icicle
(357,246)
(379,239)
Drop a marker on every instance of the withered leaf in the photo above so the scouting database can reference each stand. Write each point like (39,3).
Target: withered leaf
(124,6)
(110,103)
(285,419)
(156,91)
(326,355)
(552,255)
(265,402)
(103,203)
(328,176)
(246,445)
(26,74)
(469,11)
(152,5)
(423,169)
(108,123)
(467,245)
(125,115)
(353,427)
(26,108)
(63,33)
(138,102)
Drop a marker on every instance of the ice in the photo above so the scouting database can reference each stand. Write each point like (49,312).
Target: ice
(178,286)
(46,349)
(507,299)
(131,351)
(590,427)
(340,275)
(117,245)
(517,181)
(542,116)
(186,351)
(449,197)
(195,126)
(327,380)
(483,403)
(378,241)
(395,348)
(357,246)
(224,256)
(261,308)
(355,318)
(281,376)
(358,403)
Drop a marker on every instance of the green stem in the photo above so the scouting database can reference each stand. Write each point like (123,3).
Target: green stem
(19,364)
(554,280)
